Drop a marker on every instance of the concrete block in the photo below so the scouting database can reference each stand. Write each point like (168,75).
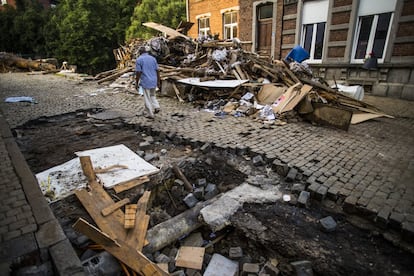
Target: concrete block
(258,160)
(408,92)
(297,188)
(328,224)
(235,252)
(190,200)
(65,260)
(303,199)
(201,182)
(102,264)
(349,205)
(303,268)
(210,191)
(407,230)
(291,176)
(321,192)
(249,268)
(144,145)
(206,148)
(380,89)
(395,90)
(199,193)
(382,217)
(162,258)
(194,239)
(280,168)
(396,220)
(49,233)
(269,269)
(220,265)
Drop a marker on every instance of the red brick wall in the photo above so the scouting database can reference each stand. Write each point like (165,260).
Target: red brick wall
(338,35)
(341,18)
(340,3)
(336,52)
(197,7)
(408,8)
(403,49)
(246,19)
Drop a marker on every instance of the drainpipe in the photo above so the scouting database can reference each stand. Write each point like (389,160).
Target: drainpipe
(187,10)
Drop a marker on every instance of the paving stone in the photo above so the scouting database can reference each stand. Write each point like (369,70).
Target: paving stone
(320,194)
(235,252)
(407,229)
(291,176)
(49,233)
(303,199)
(303,268)
(382,217)
(190,200)
(350,204)
(396,219)
(328,224)
(250,268)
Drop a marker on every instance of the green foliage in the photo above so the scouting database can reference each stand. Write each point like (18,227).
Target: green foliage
(85,32)
(166,12)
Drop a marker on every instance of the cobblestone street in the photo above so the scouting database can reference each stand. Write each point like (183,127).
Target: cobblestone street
(368,170)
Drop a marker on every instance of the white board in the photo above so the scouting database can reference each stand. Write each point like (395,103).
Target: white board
(62,180)
(213,83)
(118,155)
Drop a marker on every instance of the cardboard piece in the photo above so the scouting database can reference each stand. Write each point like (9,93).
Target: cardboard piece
(330,115)
(359,117)
(269,93)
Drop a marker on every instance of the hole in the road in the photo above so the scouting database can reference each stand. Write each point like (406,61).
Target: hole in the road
(270,234)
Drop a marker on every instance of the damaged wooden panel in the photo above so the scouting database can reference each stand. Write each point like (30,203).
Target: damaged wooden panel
(164,29)
(329,115)
(190,257)
(122,251)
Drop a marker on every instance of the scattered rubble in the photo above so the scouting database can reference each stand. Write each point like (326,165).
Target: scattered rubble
(222,76)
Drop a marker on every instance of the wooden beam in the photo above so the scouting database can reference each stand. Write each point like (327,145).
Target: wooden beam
(130,213)
(181,176)
(110,209)
(87,168)
(101,238)
(126,254)
(130,184)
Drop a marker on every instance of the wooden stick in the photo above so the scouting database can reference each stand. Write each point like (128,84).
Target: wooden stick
(130,184)
(84,227)
(110,209)
(181,176)
(87,168)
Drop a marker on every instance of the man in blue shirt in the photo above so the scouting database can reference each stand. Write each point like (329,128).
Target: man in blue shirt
(148,77)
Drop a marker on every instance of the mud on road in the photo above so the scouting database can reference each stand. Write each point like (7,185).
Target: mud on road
(280,231)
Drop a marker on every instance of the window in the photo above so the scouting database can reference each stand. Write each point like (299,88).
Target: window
(266,11)
(230,25)
(314,16)
(373,28)
(204,26)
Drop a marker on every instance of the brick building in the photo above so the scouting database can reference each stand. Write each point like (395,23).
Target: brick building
(338,34)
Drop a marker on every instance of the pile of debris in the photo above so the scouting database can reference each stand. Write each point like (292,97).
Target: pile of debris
(223,76)
(10,62)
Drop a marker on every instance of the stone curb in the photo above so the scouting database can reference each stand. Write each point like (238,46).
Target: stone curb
(54,240)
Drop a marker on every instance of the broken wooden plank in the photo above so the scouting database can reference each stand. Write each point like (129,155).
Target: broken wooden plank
(130,184)
(164,29)
(126,254)
(177,92)
(190,257)
(181,176)
(136,236)
(101,238)
(87,168)
(297,98)
(97,199)
(110,209)
(130,212)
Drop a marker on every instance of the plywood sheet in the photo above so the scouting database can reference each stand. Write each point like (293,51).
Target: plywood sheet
(118,155)
(190,257)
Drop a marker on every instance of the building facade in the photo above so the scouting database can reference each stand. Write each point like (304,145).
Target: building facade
(338,34)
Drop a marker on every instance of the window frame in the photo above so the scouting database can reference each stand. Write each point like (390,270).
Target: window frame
(205,30)
(312,58)
(230,26)
(371,38)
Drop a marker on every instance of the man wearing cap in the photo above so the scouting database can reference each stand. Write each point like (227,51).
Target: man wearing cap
(148,77)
